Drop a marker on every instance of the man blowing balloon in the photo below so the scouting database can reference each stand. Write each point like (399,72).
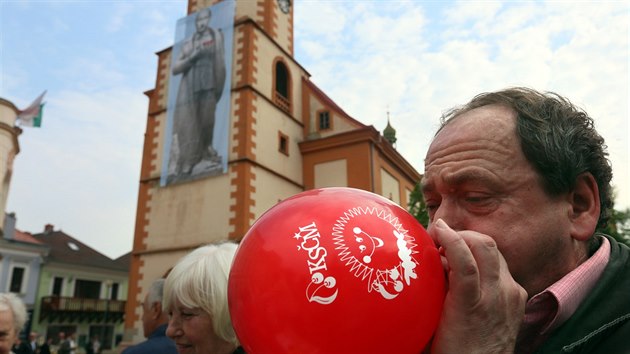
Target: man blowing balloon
(516,182)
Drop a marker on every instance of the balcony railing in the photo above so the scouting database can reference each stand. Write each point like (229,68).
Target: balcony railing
(73,309)
(282,102)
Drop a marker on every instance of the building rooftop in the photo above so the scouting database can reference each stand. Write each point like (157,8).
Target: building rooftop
(68,250)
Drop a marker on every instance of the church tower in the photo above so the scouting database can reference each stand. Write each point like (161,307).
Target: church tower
(390,133)
(282,135)
(9,147)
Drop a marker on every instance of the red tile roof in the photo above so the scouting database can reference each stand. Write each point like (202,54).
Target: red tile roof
(25,237)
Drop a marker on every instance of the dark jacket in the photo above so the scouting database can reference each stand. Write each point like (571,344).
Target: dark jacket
(157,342)
(22,348)
(44,349)
(601,324)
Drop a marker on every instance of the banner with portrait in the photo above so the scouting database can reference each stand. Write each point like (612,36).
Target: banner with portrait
(198,106)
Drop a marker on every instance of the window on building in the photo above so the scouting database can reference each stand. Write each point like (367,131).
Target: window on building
(57,286)
(283,143)
(114,292)
(282,79)
(16,283)
(282,86)
(324,120)
(87,289)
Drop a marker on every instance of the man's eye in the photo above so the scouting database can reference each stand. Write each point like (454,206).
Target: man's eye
(476,199)
(431,204)
(480,203)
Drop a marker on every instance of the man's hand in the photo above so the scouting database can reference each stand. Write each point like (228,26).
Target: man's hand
(484,306)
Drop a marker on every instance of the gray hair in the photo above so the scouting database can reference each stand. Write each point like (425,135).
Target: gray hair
(557,138)
(155,291)
(9,301)
(200,280)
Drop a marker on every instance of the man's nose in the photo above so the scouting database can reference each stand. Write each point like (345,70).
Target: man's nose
(450,213)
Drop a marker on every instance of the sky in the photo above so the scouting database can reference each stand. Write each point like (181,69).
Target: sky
(414,59)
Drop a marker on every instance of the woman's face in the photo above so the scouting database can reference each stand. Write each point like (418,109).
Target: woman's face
(7,331)
(193,333)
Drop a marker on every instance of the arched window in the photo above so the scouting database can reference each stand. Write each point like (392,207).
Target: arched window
(282,79)
(282,86)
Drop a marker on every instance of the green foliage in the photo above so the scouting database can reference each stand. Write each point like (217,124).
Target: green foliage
(618,226)
(417,206)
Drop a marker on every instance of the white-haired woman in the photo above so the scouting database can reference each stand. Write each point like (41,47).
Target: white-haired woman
(12,319)
(195,296)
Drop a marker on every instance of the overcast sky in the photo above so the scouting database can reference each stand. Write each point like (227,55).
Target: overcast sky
(415,59)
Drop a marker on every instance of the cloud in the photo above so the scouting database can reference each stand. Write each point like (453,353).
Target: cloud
(89,152)
(424,60)
(158,26)
(117,20)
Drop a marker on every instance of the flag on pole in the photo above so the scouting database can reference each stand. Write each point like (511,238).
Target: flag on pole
(32,115)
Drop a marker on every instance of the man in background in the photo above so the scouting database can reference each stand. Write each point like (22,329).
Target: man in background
(154,323)
(32,342)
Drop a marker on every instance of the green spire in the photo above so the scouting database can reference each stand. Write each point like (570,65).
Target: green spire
(390,133)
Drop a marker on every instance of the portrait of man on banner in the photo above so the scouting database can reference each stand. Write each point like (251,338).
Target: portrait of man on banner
(199,95)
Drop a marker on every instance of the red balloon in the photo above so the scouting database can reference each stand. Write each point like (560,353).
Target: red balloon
(336,270)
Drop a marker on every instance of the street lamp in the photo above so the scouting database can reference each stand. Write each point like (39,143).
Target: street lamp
(108,295)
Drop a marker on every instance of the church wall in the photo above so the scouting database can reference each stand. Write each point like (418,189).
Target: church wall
(270,189)
(9,147)
(338,123)
(331,174)
(395,181)
(357,170)
(268,54)
(390,187)
(270,123)
(191,213)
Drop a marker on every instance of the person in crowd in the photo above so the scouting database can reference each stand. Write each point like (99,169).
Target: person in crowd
(516,183)
(22,347)
(44,348)
(67,344)
(62,347)
(154,323)
(195,296)
(72,338)
(12,320)
(32,342)
(93,346)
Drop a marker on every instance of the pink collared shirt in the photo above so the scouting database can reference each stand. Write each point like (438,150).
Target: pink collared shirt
(550,308)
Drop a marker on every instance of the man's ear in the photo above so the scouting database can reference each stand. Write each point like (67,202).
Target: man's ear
(585,207)
(156,309)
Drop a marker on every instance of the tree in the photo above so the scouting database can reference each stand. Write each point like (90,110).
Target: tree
(618,226)
(417,206)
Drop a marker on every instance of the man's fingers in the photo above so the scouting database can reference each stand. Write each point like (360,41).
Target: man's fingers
(463,272)
(471,257)
(480,288)
(487,256)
